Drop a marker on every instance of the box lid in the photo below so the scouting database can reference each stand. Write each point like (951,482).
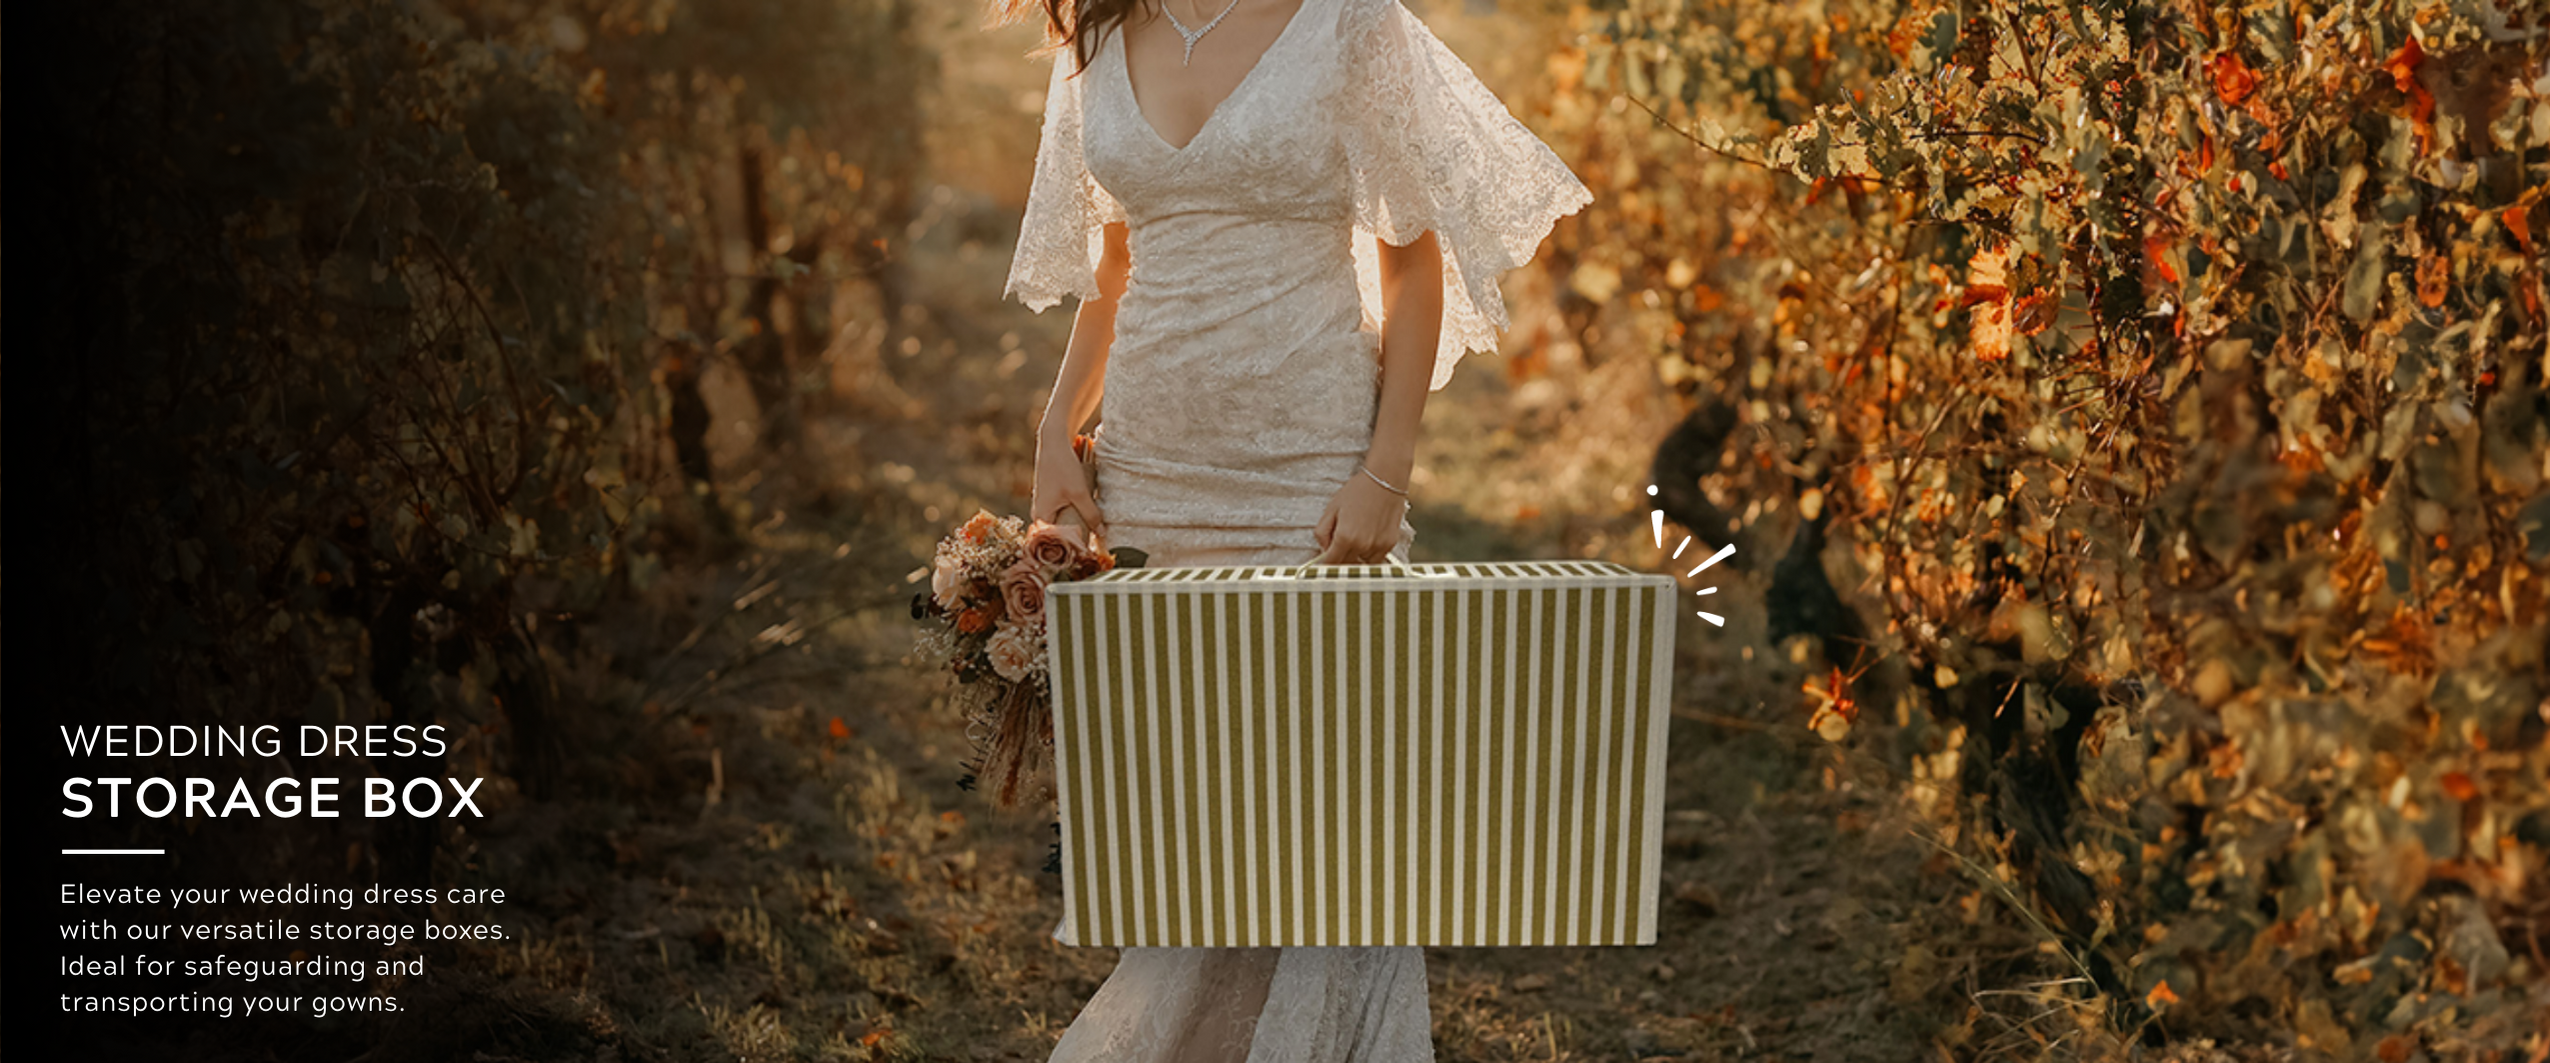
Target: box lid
(1364,577)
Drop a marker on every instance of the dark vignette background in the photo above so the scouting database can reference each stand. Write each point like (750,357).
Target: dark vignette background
(281,243)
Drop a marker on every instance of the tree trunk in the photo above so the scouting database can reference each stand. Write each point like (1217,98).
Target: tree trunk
(687,422)
(762,354)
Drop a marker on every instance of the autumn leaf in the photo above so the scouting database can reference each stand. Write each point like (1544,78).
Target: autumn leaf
(1836,710)
(2224,761)
(2402,66)
(1992,332)
(2434,279)
(2033,313)
(2233,80)
(1987,291)
(2257,108)
(2156,251)
(1830,725)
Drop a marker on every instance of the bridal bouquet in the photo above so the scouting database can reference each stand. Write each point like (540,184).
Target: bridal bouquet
(983,622)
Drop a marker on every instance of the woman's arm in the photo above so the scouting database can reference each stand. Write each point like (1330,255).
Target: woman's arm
(1362,523)
(1411,326)
(1060,483)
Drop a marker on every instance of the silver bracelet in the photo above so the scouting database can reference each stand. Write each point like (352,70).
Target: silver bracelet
(1385,484)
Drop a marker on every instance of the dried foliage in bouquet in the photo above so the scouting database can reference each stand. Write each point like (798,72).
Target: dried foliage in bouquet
(984,624)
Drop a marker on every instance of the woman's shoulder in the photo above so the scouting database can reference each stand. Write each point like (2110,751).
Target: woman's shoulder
(1357,19)
(1370,29)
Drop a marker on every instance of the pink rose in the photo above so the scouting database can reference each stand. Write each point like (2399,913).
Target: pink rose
(1051,549)
(1023,591)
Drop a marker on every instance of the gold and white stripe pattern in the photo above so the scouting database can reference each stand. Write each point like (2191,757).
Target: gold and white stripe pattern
(1467,754)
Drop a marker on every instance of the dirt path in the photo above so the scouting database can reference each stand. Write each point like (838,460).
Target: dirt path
(842,898)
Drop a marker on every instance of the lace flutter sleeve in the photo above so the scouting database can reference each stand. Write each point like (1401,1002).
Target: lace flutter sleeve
(1063,233)
(1432,149)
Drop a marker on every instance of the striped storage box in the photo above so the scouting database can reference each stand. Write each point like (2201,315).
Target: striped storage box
(1467,754)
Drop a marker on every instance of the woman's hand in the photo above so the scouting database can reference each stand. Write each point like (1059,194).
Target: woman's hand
(1362,522)
(1063,491)
(1361,525)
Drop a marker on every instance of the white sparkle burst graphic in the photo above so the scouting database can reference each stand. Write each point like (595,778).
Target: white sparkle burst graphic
(1656,520)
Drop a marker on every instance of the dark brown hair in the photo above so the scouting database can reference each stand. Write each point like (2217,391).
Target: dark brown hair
(1075,24)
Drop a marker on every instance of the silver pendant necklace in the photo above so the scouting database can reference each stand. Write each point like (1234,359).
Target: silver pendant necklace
(1194,35)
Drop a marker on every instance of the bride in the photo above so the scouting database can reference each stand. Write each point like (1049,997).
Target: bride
(1284,221)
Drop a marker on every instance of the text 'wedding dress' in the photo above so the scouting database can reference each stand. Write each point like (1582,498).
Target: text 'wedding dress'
(1241,388)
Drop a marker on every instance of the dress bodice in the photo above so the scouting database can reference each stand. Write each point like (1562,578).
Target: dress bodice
(1252,219)
(1355,123)
(1271,151)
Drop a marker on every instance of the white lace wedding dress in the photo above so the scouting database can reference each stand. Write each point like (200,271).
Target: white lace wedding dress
(1241,388)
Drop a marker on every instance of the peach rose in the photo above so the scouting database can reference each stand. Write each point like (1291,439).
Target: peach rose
(946,583)
(1023,591)
(1051,549)
(1016,651)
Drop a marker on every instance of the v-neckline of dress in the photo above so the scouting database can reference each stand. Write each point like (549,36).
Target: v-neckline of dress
(1124,77)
